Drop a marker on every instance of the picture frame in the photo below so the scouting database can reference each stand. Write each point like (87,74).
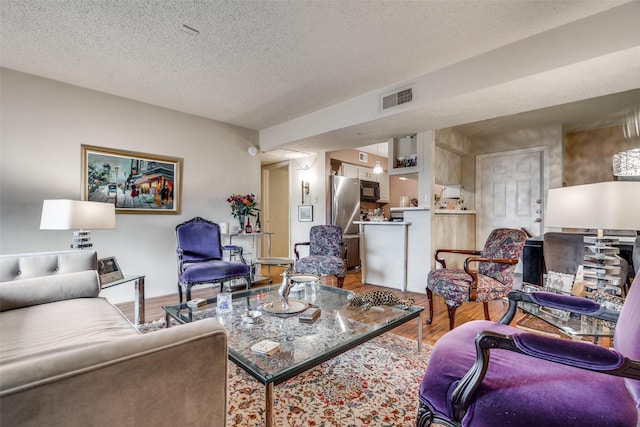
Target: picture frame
(137,183)
(305,213)
(559,282)
(109,270)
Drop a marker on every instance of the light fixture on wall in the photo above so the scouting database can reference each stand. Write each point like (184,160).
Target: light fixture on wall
(304,180)
(377,169)
(77,215)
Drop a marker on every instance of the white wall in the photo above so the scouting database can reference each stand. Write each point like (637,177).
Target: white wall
(43,125)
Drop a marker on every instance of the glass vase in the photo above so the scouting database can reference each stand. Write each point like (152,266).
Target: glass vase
(241,221)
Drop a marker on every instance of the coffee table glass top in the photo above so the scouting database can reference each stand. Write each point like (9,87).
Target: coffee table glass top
(302,345)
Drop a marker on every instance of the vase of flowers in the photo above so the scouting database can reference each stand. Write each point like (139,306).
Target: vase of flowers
(242,207)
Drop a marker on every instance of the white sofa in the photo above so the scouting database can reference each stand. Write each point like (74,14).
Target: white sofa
(70,358)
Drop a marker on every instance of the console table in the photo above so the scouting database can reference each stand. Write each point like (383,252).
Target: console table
(138,294)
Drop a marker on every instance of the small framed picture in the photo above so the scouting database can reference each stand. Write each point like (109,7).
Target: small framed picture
(109,270)
(305,213)
(559,282)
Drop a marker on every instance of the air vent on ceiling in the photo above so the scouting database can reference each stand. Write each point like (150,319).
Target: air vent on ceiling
(403,96)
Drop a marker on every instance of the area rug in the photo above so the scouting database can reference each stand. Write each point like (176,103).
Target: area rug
(374,384)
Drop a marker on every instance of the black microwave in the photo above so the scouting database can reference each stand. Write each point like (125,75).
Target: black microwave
(369,191)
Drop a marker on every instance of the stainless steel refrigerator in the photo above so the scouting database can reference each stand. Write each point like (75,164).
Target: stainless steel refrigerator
(344,209)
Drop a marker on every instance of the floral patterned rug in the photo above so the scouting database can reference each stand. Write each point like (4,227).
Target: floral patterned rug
(374,384)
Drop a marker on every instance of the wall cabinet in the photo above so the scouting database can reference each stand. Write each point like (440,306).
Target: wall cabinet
(383,179)
(405,156)
(349,171)
(366,174)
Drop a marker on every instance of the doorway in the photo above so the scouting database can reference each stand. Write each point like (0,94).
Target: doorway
(510,189)
(275,208)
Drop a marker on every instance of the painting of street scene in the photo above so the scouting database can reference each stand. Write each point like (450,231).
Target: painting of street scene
(134,182)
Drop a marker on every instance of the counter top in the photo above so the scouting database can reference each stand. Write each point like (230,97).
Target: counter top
(399,209)
(381,222)
(453,212)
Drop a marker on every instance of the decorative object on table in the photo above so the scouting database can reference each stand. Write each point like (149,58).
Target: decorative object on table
(80,216)
(559,282)
(200,257)
(109,270)
(285,305)
(196,302)
(266,347)
(247,228)
(369,299)
(310,315)
(134,182)
(605,205)
(258,227)
(327,253)
(305,213)
(492,280)
(242,207)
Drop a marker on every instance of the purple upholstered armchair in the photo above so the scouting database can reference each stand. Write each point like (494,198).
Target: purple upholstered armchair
(327,253)
(486,374)
(200,257)
(492,280)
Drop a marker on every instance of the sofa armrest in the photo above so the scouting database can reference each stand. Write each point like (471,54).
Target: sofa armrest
(45,289)
(172,374)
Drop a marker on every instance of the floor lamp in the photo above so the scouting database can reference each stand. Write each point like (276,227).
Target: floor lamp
(80,216)
(613,205)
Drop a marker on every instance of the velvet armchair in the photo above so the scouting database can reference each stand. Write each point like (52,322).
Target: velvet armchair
(327,253)
(200,257)
(486,374)
(487,274)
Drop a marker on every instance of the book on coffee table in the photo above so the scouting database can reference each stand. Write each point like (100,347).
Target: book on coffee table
(267,347)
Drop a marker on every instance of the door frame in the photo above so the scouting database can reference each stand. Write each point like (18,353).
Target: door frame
(544,183)
(266,191)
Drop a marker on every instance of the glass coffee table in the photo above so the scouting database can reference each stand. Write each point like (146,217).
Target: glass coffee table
(302,345)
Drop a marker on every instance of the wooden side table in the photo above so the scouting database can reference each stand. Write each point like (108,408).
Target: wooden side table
(138,294)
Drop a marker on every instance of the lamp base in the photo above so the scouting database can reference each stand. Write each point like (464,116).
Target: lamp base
(81,240)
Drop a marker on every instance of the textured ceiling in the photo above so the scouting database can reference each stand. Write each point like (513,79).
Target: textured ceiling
(259,64)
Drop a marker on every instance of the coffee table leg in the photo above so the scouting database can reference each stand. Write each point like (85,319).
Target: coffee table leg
(420,333)
(139,301)
(268,410)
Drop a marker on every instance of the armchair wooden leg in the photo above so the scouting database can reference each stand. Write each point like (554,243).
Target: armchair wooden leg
(430,298)
(180,292)
(451,309)
(485,305)
(340,281)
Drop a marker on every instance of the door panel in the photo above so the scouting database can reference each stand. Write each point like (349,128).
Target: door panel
(509,190)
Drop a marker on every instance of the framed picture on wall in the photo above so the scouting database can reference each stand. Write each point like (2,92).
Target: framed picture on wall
(134,182)
(305,213)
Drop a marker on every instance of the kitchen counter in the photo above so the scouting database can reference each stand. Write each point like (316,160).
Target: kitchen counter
(453,212)
(381,222)
(394,253)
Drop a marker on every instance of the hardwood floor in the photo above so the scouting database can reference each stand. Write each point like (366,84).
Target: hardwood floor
(430,333)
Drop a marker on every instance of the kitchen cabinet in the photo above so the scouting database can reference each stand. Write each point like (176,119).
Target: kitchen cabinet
(383,179)
(366,174)
(350,171)
(405,155)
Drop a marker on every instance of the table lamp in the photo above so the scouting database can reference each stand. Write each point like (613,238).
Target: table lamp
(80,216)
(613,205)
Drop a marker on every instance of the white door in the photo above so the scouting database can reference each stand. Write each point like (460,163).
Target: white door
(509,192)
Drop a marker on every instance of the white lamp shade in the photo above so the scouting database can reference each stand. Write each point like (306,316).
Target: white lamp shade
(64,214)
(613,205)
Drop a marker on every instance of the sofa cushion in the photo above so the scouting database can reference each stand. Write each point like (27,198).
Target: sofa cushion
(37,331)
(42,290)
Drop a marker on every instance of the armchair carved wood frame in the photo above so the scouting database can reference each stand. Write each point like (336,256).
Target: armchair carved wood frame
(490,270)
(490,374)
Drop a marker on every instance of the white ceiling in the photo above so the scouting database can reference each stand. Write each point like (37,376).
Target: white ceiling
(260,64)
